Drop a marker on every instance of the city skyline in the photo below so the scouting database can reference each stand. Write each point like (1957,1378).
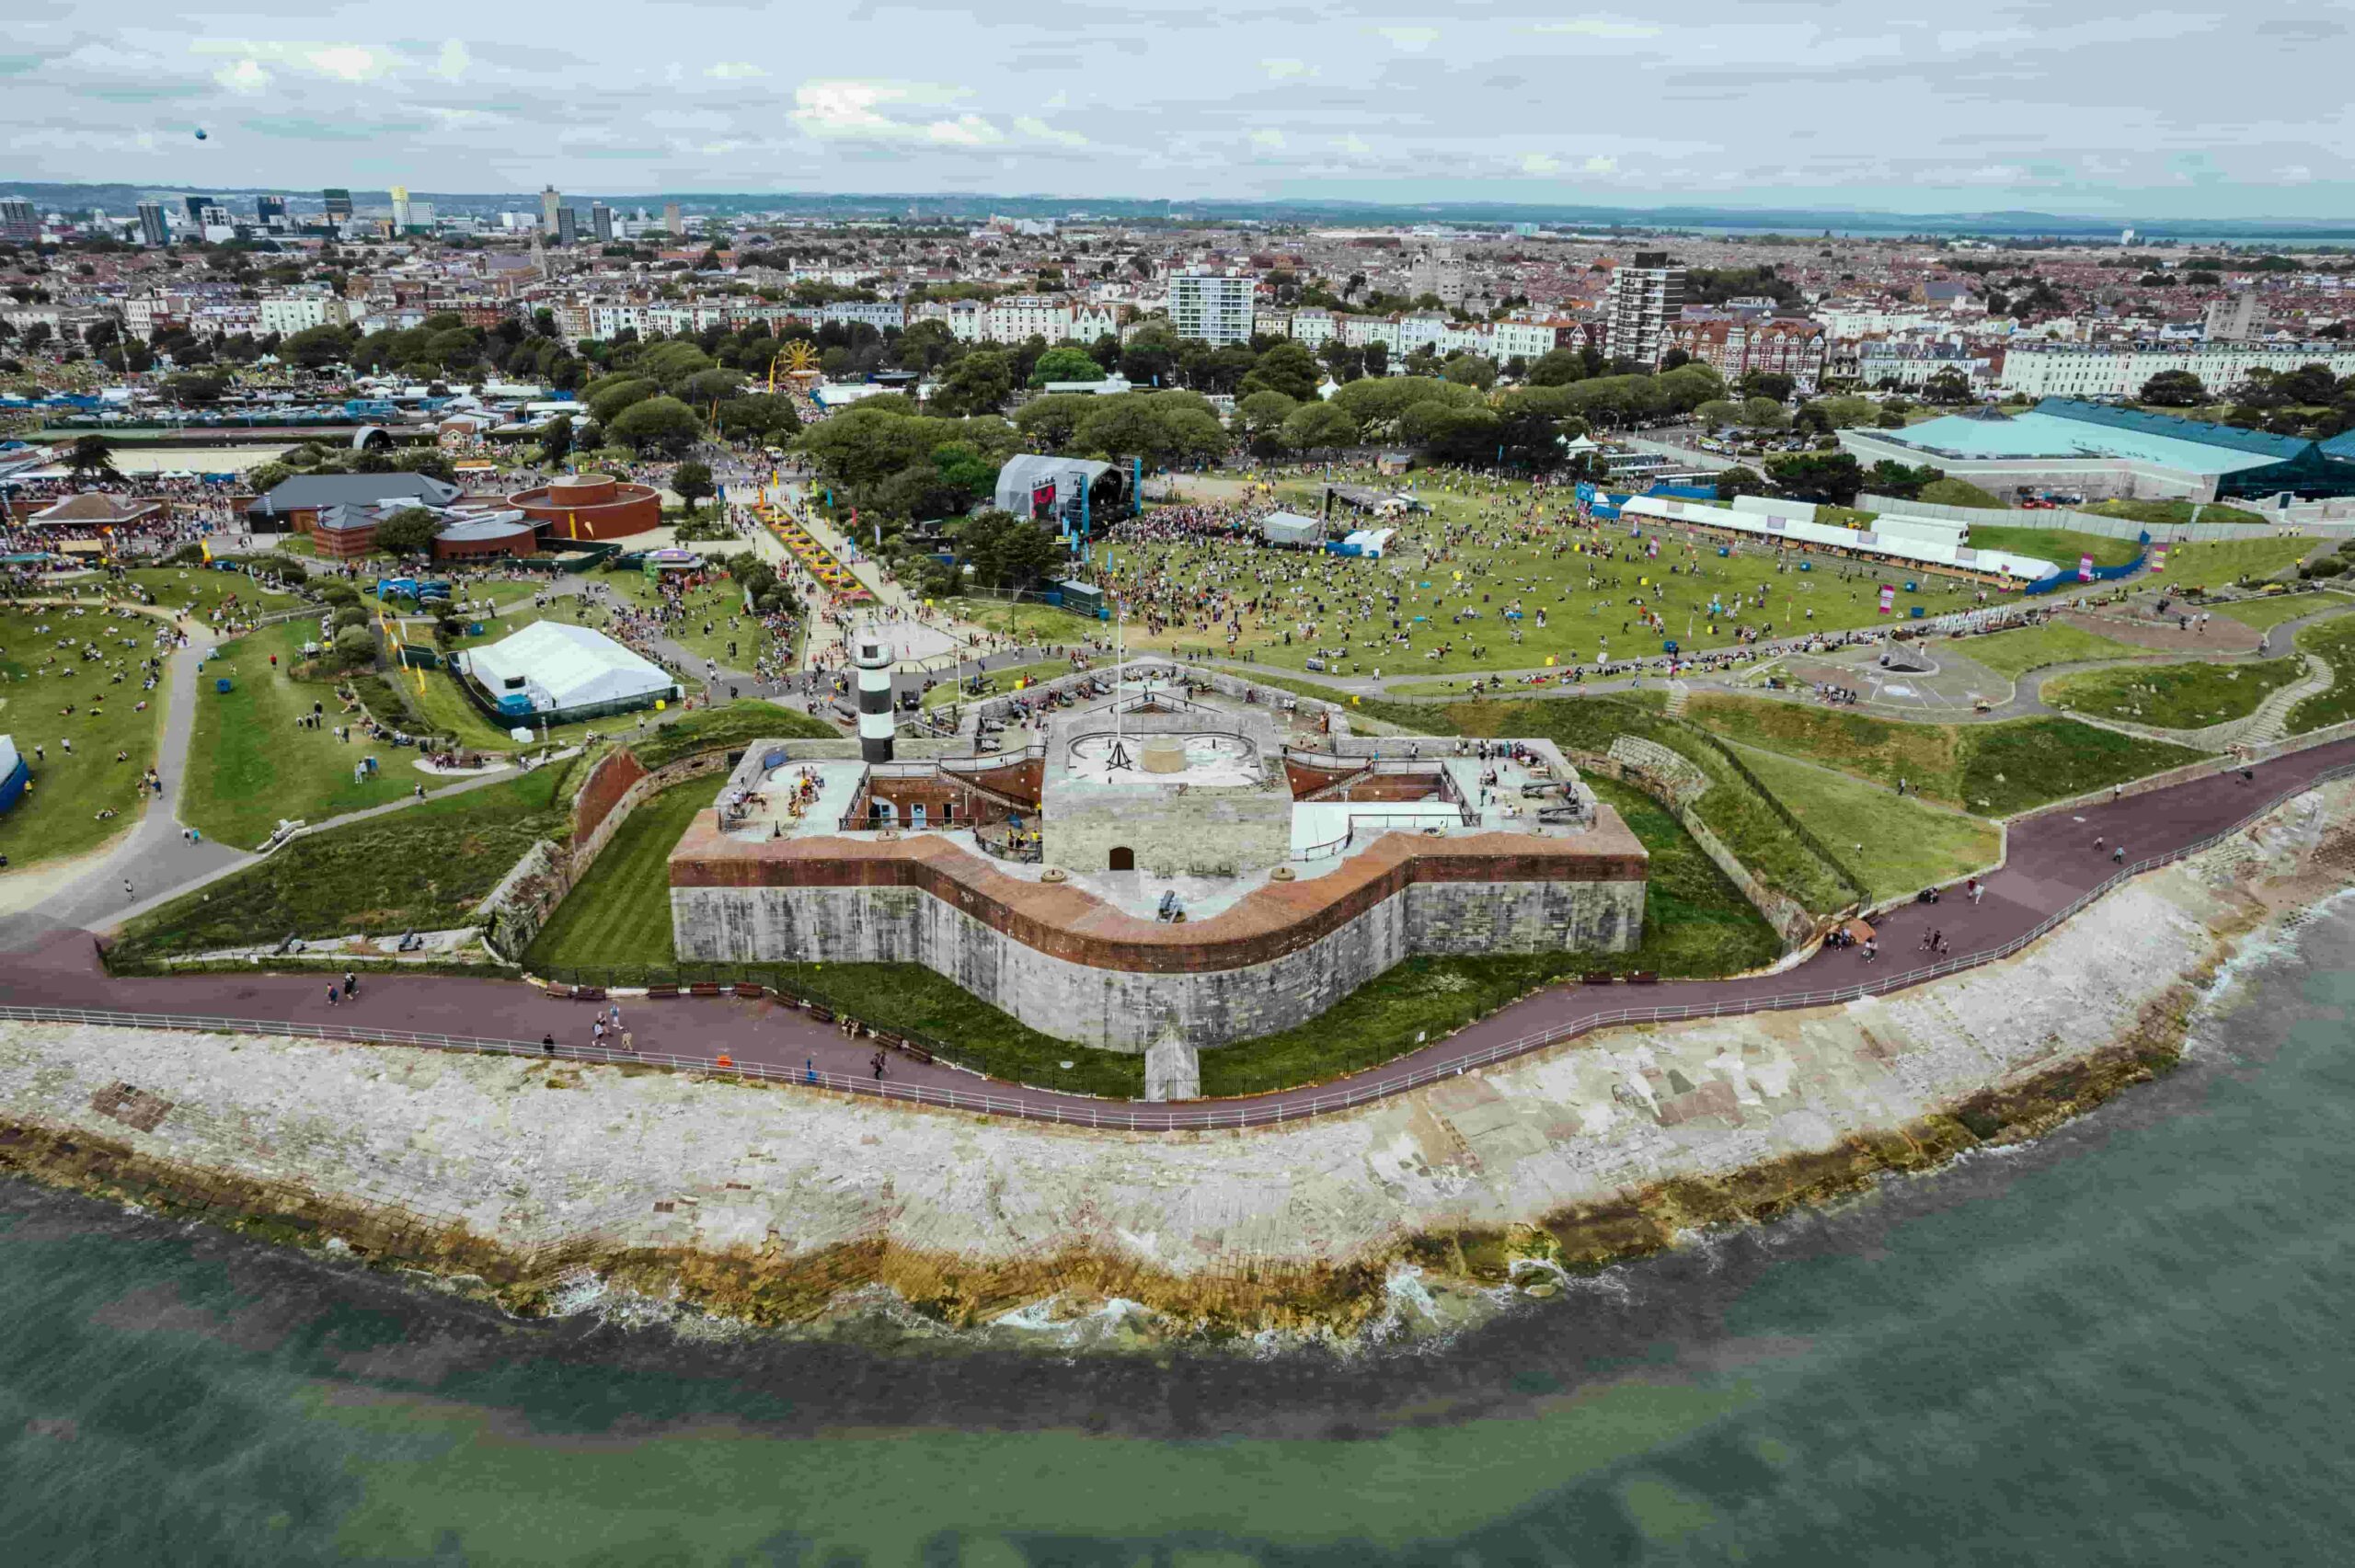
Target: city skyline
(2044,107)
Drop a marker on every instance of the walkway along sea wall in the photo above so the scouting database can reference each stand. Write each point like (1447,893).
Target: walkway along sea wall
(735,1198)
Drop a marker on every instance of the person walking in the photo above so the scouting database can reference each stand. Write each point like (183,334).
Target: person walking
(547,1045)
(350,984)
(878,1064)
(332,993)
(2118,855)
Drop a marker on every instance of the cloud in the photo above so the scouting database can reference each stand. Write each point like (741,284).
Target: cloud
(1598,164)
(1040,130)
(734,71)
(1287,70)
(1600,26)
(1414,41)
(453,61)
(1355,145)
(965,131)
(845,109)
(349,61)
(1540,164)
(1269,138)
(246,78)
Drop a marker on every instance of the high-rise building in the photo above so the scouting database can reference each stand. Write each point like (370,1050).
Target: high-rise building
(601,222)
(672,221)
(2232,318)
(567,225)
(400,209)
(152,230)
(1641,306)
(338,204)
(270,211)
(18,220)
(550,204)
(196,206)
(1212,307)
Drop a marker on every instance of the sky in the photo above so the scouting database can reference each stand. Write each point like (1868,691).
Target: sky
(1904,106)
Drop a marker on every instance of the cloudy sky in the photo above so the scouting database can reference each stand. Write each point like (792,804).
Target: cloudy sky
(1905,106)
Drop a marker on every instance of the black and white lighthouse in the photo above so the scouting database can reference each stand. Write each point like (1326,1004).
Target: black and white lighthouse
(874,661)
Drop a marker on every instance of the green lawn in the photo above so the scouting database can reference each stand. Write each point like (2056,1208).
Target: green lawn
(731,723)
(423,868)
(250,764)
(620,914)
(713,604)
(1952,492)
(58,813)
(1993,770)
(2223,561)
(2034,648)
(2171,513)
(1893,844)
(1038,625)
(2174,696)
(2265,613)
(2060,546)
(202,589)
(2334,642)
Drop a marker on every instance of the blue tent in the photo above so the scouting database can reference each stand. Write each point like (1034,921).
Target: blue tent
(14,774)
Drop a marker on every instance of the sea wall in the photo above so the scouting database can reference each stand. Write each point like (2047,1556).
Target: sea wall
(780,1204)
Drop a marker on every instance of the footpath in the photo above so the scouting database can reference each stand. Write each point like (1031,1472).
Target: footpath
(2055,860)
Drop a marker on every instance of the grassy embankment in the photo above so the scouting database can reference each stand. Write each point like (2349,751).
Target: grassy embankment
(1001,681)
(2174,696)
(250,763)
(1994,770)
(2332,641)
(2172,514)
(423,869)
(1953,492)
(2034,648)
(59,813)
(2264,614)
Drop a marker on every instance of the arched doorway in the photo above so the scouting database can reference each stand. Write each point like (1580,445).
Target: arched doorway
(1124,859)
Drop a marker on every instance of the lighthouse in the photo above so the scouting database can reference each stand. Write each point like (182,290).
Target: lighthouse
(874,661)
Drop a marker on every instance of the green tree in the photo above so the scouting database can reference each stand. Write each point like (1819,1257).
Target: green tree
(692,480)
(1827,477)
(1762,414)
(1263,411)
(1064,364)
(1903,481)
(1738,481)
(1006,551)
(92,461)
(2174,389)
(1559,368)
(1047,423)
(1287,367)
(978,384)
(1315,427)
(657,424)
(1948,387)
(705,388)
(1470,369)
(556,438)
(611,395)
(408,531)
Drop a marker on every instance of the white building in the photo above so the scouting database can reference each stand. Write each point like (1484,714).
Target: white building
(1212,307)
(290,313)
(1641,307)
(2119,369)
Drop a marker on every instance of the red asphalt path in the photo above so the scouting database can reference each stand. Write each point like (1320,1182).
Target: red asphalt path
(2051,865)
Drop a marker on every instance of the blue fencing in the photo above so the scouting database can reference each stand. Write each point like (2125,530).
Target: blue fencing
(2068,576)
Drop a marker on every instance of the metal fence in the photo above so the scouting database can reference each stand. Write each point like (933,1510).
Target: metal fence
(1038,1104)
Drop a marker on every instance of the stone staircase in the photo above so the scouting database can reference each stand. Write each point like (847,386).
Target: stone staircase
(2272,720)
(1682,776)
(1679,694)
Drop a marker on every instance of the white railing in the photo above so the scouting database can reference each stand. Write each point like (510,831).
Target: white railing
(1053,1105)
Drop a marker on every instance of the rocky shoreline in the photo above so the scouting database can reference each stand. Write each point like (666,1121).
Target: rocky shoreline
(546,1186)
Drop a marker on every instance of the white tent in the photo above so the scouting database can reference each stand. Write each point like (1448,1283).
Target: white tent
(1291,528)
(557,668)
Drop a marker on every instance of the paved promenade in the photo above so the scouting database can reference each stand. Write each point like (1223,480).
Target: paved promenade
(2052,863)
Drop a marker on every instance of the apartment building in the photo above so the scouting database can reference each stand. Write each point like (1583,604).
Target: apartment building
(2117,370)
(1212,307)
(290,313)
(1641,307)
(1734,346)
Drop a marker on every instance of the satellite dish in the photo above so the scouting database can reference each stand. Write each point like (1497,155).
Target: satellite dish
(200,133)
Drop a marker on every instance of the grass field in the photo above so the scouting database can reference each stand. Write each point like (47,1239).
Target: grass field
(2223,561)
(2174,696)
(713,604)
(200,591)
(1993,770)
(1034,625)
(59,813)
(1893,844)
(1952,492)
(423,868)
(2033,647)
(2332,641)
(1696,923)
(620,914)
(2171,513)
(2266,613)
(2060,546)
(249,765)
(1456,593)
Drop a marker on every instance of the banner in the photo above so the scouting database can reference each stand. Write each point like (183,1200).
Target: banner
(1887,598)
(2084,569)
(1651,549)
(2159,559)
(1043,500)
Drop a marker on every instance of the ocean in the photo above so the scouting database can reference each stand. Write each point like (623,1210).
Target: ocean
(2122,1345)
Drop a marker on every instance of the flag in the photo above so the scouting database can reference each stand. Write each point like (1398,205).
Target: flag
(1887,598)
(2159,559)
(2084,569)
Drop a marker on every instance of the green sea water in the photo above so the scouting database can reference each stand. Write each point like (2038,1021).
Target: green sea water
(2126,1345)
